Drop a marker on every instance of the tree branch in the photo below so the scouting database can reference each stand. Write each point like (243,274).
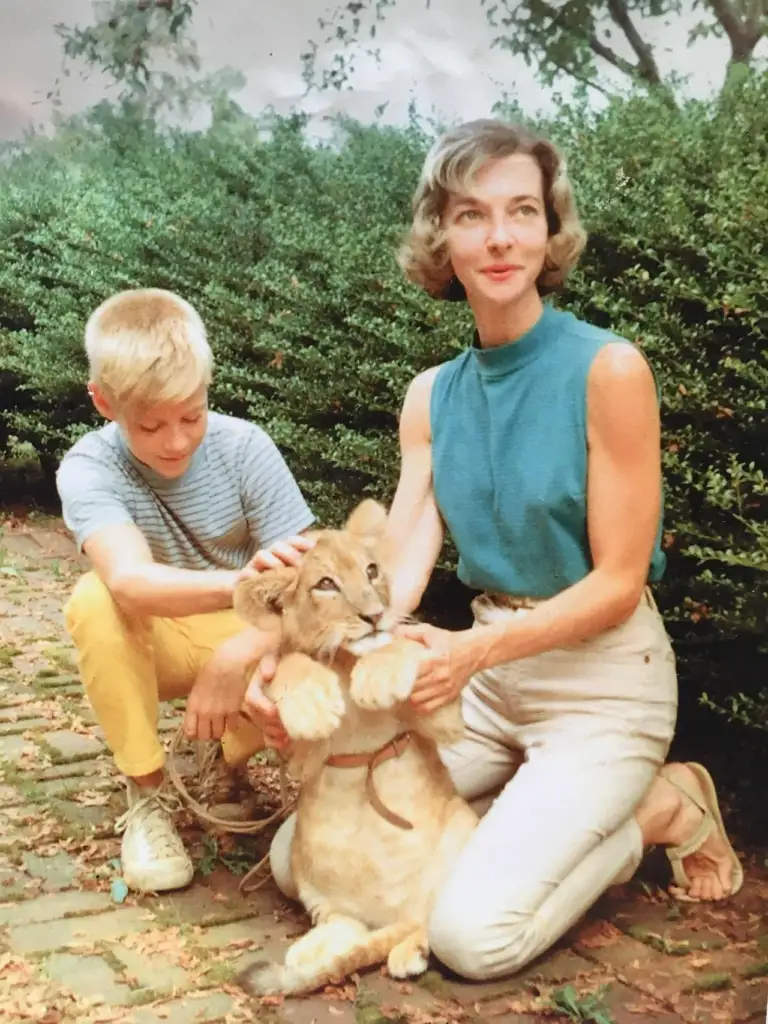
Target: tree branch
(647,67)
(625,66)
(743,35)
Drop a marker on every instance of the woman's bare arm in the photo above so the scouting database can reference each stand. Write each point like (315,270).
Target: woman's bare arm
(414,529)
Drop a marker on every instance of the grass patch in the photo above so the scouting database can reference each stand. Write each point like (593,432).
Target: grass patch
(7,653)
(672,947)
(716,982)
(756,970)
(434,983)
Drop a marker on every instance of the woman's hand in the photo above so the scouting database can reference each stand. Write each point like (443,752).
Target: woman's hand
(450,659)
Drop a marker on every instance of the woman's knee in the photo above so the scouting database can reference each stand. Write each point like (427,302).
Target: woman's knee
(475,943)
(280,858)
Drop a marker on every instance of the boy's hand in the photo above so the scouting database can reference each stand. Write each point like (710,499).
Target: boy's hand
(215,700)
(283,552)
(260,708)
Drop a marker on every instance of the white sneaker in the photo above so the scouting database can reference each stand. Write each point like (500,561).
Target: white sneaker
(153,855)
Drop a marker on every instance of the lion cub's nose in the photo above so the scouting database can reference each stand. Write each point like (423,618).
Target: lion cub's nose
(372,620)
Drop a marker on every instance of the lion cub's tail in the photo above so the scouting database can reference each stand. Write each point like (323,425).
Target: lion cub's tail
(324,962)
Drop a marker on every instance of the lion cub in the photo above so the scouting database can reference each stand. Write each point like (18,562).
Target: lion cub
(379,823)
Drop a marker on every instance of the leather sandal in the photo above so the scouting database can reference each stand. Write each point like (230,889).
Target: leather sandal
(712,819)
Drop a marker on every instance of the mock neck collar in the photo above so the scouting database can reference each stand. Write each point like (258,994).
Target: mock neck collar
(499,360)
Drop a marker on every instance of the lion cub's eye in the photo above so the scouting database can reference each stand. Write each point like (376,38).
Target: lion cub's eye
(326,583)
(372,571)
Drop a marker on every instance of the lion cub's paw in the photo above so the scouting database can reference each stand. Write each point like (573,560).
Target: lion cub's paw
(408,959)
(384,677)
(313,709)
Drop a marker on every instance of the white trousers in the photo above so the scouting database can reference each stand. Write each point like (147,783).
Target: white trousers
(559,750)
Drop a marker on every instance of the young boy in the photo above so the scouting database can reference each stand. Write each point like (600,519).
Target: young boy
(170,503)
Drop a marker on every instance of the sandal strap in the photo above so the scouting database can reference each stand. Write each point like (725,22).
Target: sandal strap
(696,841)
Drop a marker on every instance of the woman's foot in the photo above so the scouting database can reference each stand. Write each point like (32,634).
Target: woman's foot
(668,817)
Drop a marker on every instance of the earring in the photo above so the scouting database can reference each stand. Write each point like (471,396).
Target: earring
(89,389)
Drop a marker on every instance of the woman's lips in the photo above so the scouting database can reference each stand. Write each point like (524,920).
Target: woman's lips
(501,272)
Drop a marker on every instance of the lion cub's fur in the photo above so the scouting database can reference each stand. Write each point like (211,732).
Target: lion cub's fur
(367,884)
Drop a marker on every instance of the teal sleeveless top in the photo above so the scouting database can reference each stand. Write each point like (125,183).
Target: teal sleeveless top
(509,458)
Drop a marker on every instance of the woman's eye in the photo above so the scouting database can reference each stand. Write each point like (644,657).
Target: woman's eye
(326,583)
(469,215)
(372,572)
(528,211)
(149,430)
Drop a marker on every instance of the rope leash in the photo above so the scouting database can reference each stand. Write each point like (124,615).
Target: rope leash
(243,828)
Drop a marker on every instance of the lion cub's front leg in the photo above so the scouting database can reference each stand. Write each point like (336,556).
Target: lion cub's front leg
(308,697)
(385,677)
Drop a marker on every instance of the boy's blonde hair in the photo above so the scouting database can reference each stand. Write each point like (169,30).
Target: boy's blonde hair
(147,346)
(450,165)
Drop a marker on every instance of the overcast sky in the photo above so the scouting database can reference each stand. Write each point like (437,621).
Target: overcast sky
(441,57)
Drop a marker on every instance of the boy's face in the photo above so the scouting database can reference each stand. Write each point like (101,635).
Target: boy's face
(164,436)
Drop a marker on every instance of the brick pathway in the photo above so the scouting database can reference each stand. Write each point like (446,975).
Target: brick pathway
(71,952)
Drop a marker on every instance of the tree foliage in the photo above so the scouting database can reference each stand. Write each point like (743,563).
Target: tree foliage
(148,49)
(578,39)
(288,251)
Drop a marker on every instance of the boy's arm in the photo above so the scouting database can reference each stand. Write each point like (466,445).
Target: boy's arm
(95,511)
(142,587)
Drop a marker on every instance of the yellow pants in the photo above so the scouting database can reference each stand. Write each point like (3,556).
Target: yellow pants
(129,665)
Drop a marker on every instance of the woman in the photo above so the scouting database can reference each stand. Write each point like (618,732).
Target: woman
(539,449)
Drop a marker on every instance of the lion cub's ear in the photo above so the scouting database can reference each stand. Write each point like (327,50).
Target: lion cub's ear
(368,520)
(258,597)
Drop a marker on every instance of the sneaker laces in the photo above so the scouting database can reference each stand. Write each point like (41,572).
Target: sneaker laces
(156,808)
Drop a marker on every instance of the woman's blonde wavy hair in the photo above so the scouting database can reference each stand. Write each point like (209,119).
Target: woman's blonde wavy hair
(450,164)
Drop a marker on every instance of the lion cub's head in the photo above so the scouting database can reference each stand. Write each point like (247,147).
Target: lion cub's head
(337,598)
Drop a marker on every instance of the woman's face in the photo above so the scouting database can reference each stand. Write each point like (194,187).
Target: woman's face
(496,231)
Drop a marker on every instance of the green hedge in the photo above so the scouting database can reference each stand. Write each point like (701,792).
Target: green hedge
(288,252)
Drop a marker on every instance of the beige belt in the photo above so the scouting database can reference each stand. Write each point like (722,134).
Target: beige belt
(515,602)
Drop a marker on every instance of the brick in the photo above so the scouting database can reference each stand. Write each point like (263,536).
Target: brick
(13,884)
(629,1007)
(11,728)
(323,1011)
(94,766)
(389,993)
(57,872)
(52,906)
(17,713)
(198,906)
(72,745)
(155,972)
(26,624)
(221,935)
(208,1007)
(47,936)
(12,747)
(87,976)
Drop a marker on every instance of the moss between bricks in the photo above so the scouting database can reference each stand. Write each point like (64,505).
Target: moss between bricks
(756,970)
(7,653)
(368,1010)
(715,982)
(434,983)
(56,757)
(672,947)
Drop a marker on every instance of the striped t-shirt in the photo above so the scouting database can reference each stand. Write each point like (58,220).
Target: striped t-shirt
(237,496)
